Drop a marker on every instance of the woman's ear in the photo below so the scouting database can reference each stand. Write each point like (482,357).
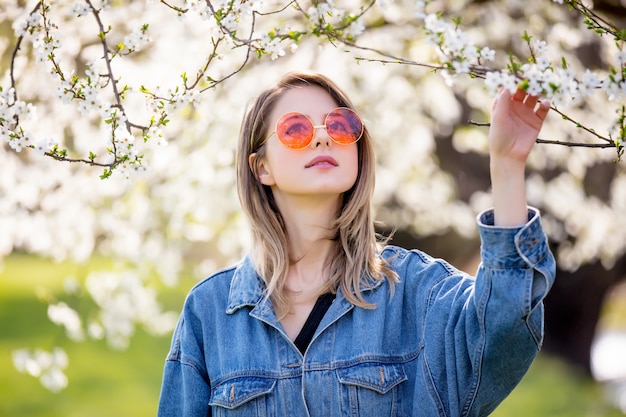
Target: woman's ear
(259,168)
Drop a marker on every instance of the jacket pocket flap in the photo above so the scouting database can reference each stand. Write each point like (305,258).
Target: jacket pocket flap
(235,392)
(375,376)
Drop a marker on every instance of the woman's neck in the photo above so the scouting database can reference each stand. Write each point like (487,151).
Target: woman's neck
(309,220)
(310,224)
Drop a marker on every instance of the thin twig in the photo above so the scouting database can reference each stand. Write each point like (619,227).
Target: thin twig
(85,161)
(577,144)
(604,24)
(581,126)
(14,54)
(556,142)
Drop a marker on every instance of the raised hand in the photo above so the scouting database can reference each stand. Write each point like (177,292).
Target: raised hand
(515,124)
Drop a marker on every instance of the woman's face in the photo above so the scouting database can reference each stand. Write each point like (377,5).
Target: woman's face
(323,168)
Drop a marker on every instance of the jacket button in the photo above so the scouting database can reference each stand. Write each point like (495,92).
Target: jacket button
(293,365)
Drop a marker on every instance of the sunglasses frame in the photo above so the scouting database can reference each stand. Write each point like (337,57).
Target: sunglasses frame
(325,126)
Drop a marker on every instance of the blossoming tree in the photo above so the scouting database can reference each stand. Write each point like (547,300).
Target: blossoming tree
(119,121)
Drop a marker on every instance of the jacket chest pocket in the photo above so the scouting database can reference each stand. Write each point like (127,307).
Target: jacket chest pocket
(245,396)
(371,389)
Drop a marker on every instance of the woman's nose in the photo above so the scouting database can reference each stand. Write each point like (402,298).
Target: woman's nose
(320,137)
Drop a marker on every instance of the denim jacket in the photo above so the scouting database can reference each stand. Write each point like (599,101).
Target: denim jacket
(442,344)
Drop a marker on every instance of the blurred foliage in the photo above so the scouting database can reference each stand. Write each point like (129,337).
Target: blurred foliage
(103,381)
(553,388)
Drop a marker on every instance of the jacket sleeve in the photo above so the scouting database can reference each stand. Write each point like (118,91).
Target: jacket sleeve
(186,388)
(493,326)
(513,312)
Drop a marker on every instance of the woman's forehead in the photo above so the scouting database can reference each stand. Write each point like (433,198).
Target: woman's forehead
(306,99)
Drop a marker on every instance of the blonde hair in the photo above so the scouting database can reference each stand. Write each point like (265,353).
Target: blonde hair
(354,263)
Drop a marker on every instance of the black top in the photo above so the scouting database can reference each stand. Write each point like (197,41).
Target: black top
(310,326)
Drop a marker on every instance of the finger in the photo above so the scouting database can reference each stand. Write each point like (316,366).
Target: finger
(531,101)
(503,94)
(544,108)
(519,95)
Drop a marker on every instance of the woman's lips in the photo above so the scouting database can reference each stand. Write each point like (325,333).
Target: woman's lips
(322,161)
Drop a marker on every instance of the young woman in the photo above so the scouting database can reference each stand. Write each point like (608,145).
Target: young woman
(320,319)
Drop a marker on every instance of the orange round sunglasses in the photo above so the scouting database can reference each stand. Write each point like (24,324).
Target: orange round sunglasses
(296,130)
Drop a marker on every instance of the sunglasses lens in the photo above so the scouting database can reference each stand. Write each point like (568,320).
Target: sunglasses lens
(344,126)
(294,130)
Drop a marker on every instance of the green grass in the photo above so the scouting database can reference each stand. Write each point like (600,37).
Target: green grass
(552,388)
(104,382)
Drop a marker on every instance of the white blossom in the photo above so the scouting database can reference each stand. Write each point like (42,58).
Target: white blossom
(419,9)
(80,8)
(47,366)
(461,67)
(92,74)
(42,146)
(64,92)
(496,79)
(273,47)
(63,315)
(136,40)
(6,96)
(493,81)
(250,6)
(5,133)
(543,62)
(487,53)
(83,107)
(191,97)
(32,21)
(20,28)
(540,47)
(435,24)
(95,330)
(230,22)
(534,87)
(613,86)
(6,113)
(24,110)
(589,83)
(356,28)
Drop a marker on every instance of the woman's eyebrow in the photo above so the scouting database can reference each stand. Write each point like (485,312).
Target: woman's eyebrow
(296,115)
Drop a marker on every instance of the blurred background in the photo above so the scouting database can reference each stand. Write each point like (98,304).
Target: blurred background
(94,272)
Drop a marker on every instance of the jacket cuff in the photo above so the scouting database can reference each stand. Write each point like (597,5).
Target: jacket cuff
(512,247)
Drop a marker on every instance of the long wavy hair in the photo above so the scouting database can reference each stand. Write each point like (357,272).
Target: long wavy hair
(354,262)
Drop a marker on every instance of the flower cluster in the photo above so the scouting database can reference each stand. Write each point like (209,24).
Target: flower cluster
(10,112)
(137,39)
(456,50)
(275,46)
(124,301)
(80,9)
(86,93)
(560,84)
(326,17)
(47,366)
(540,76)
(14,113)
(32,21)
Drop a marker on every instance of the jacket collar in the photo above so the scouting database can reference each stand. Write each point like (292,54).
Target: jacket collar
(248,289)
